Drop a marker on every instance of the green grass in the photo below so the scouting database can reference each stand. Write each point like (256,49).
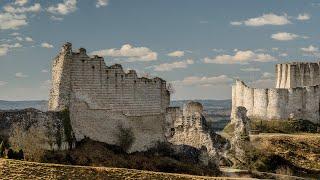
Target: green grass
(278,126)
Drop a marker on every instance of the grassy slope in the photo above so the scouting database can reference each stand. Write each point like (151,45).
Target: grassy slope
(303,150)
(14,169)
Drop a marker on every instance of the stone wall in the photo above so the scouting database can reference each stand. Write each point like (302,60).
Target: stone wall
(297,74)
(101,98)
(188,127)
(282,104)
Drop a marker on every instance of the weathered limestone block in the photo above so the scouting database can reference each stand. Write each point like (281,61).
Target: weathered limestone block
(189,128)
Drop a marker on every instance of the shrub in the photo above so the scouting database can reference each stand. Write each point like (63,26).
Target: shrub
(125,137)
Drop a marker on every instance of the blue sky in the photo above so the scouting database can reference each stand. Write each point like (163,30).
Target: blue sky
(200,46)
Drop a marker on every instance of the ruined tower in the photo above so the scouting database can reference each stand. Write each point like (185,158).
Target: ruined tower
(102,98)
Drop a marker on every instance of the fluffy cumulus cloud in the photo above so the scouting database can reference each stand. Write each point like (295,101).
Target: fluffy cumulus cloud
(12,21)
(285,36)
(204,81)
(64,8)
(28,39)
(101,3)
(21,2)
(265,19)
(18,10)
(4,48)
(240,57)
(46,45)
(129,51)
(173,65)
(176,54)
(20,75)
(303,17)
(250,69)
(310,49)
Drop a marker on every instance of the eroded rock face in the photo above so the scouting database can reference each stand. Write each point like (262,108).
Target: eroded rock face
(240,142)
(187,126)
(47,127)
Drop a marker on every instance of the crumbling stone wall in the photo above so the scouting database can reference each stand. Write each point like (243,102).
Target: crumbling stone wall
(100,98)
(188,127)
(297,74)
(281,104)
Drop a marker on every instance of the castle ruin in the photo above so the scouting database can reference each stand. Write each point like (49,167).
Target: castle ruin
(188,126)
(102,99)
(296,95)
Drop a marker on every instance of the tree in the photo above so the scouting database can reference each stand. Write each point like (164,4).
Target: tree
(31,141)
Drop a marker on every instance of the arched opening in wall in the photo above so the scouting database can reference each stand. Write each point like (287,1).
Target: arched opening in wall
(92,67)
(82,60)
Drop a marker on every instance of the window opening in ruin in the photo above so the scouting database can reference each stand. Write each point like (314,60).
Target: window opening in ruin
(92,67)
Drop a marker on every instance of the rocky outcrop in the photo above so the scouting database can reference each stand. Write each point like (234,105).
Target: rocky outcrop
(187,126)
(48,127)
(240,142)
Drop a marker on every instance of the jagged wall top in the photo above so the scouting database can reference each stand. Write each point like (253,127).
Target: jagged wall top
(297,74)
(79,77)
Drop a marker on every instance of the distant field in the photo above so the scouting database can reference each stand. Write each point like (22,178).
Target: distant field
(13,169)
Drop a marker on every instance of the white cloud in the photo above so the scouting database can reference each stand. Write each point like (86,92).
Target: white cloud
(176,54)
(21,2)
(310,49)
(44,71)
(240,57)
(265,19)
(15,34)
(218,50)
(12,21)
(2,83)
(56,18)
(204,81)
(283,54)
(101,3)
(251,69)
(4,48)
(19,38)
(285,36)
(10,9)
(20,75)
(46,45)
(3,51)
(275,49)
(28,39)
(173,65)
(236,23)
(267,75)
(68,6)
(16,45)
(303,17)
(128,51)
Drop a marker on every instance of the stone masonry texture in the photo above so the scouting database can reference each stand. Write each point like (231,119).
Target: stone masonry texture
(296,96)
(102,98)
